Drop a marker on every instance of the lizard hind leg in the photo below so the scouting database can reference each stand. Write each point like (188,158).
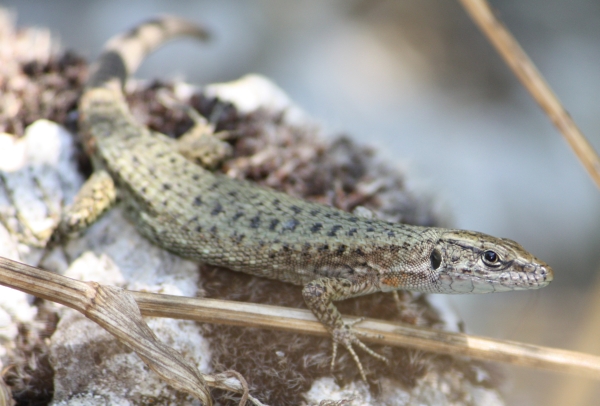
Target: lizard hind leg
(200,144)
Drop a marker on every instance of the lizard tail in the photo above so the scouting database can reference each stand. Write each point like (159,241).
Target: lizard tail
(124,53)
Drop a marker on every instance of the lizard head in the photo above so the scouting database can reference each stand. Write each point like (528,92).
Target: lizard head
(471,262)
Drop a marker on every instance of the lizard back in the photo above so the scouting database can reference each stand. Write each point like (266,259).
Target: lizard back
(222,221)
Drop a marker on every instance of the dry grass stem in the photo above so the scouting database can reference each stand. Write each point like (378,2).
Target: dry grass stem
(378,331)
(115,310)
(481,12)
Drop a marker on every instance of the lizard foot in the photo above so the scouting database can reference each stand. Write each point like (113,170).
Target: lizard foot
(200,144)
(347,337)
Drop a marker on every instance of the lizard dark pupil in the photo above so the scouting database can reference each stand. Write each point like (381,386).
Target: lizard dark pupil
(490,256)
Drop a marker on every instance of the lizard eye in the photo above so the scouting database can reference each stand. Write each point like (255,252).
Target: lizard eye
(491,258)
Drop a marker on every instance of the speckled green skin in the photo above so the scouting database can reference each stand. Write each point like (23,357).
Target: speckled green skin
(214,219)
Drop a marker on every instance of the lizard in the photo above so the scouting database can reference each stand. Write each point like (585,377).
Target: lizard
(203,215)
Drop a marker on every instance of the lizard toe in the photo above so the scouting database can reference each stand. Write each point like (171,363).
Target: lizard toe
(348,337)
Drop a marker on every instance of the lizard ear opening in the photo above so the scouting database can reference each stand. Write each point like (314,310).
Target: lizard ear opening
(435,258)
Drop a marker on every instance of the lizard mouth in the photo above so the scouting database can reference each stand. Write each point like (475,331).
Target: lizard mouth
(456,282)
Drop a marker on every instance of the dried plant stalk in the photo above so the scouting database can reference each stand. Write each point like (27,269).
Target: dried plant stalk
(508,47)
(378,331)
(118,315)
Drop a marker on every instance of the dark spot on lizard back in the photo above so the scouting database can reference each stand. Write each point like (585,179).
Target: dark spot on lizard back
(324,247)
(198,229)
(353,219)
(195,176)
(334,230)
(352,231)
(296,209)
(198,201)
(255,222)
(391,234)
(237,215)
(233,193)
(315,212)
(214,186)
(358,251)
(217,209)
(166,186)
(370,229)
(316,227)
(341,249)
(172,160)
(273,224)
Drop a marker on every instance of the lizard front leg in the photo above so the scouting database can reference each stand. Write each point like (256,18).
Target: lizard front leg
(97,195)
(319,295)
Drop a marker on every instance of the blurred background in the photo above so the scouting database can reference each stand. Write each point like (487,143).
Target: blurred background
(416,80)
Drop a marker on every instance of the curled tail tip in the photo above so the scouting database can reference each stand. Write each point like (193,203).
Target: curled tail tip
(174,26)
(124,53)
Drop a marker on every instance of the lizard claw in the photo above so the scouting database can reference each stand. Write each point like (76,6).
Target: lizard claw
(347,337)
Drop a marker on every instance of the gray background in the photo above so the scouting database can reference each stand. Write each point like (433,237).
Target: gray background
(417,80)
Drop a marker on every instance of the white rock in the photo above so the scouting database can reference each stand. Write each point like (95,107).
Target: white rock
(253,92)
